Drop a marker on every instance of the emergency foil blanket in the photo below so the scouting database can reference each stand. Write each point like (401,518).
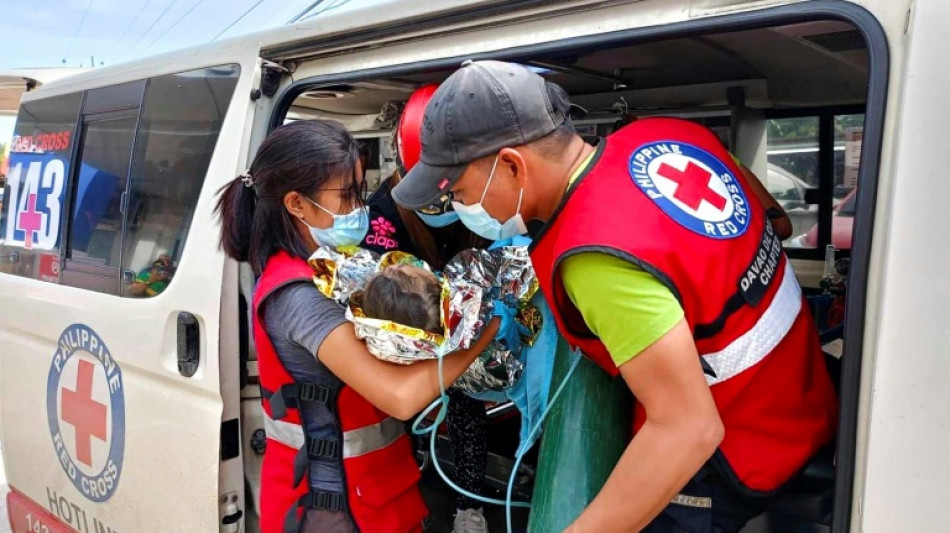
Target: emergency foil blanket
(472,280)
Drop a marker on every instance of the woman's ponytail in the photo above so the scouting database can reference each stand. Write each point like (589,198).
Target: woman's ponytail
(236,203)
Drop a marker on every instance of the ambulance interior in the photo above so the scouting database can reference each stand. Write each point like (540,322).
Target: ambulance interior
(788,101)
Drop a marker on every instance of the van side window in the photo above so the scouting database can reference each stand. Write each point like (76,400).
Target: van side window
(37,178)
(98,189)
(95,232)
(178,129)
(103,184)
(849,132)
(812,171)
(793,170)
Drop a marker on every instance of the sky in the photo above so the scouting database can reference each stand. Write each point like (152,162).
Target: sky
(56,33)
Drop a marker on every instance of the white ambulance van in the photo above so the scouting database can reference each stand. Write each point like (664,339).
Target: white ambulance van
(129,385)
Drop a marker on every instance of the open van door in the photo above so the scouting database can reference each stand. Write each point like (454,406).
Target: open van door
(118,317)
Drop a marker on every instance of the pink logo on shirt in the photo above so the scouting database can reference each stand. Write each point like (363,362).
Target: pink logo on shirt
(381,234)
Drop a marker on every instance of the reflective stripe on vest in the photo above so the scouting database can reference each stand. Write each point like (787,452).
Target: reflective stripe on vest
(368,439)
(356,442)
(759,341)
(286,433)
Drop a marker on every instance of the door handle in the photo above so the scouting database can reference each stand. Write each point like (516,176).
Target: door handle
(189,344)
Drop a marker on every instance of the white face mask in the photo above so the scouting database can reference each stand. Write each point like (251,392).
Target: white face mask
(482,224)
(347,230)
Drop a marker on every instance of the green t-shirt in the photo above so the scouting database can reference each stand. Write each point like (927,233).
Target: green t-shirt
(627,308)
(153,289)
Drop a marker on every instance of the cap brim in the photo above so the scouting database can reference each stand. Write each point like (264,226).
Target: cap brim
(421,186)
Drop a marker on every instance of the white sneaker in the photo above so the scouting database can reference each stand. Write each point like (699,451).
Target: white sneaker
(470,521)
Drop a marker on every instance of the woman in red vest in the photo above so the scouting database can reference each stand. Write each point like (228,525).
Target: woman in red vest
(337,458)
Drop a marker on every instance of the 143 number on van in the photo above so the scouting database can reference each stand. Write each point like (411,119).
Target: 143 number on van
(34,208)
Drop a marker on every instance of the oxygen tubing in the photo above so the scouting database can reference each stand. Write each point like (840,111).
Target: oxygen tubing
(442,402)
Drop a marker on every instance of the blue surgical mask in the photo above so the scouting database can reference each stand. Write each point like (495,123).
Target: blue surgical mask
(439,221)
(347,230)
(482,224)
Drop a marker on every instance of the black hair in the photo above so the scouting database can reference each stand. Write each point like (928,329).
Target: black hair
(301,156)
(554,145)
(410,296)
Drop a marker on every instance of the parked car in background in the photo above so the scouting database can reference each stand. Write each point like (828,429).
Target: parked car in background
(842,223)
(789,190)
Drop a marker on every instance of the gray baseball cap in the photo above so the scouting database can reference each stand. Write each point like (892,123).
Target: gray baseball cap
(481,108)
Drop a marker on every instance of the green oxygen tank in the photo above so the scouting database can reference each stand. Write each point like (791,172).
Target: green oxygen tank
(584,436)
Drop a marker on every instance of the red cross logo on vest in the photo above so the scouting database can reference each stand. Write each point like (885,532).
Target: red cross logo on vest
(692,186)
(30,221)
(87,416)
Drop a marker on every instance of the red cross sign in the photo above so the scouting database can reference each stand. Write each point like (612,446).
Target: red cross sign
(692,186)
(86,415)
(30,221)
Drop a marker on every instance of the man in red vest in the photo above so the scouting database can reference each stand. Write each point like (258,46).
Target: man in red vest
(661,258)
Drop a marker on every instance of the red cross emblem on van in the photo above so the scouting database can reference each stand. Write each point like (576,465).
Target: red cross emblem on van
(85,406)
(83,413)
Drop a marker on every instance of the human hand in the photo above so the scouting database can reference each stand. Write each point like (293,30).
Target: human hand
(509,329)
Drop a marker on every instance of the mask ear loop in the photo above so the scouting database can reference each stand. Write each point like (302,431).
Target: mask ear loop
(324,209)
(488,184)
(490,177)
(520,197)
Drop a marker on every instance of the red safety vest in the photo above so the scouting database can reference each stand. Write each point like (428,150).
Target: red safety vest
(665,195)
(380,473)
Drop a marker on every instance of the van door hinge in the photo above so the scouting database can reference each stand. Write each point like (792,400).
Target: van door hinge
(271,75)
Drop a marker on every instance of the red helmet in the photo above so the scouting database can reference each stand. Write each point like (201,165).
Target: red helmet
(409,129)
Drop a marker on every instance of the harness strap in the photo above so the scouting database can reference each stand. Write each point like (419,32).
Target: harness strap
(313,449)
(328,501)
(289,396)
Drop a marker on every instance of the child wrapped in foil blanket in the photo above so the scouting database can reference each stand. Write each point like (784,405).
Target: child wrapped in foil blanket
(406,313)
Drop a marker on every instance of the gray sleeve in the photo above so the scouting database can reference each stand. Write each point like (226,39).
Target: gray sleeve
(301,315)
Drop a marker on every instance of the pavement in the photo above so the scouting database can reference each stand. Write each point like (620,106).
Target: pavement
(4,521)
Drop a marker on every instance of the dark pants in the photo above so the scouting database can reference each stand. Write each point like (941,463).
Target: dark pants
(467,425)
(315,521)
(707,505)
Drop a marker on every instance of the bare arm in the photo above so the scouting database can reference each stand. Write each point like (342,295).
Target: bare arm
(401,391)
(137,288)
(782,224)
(682,431)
